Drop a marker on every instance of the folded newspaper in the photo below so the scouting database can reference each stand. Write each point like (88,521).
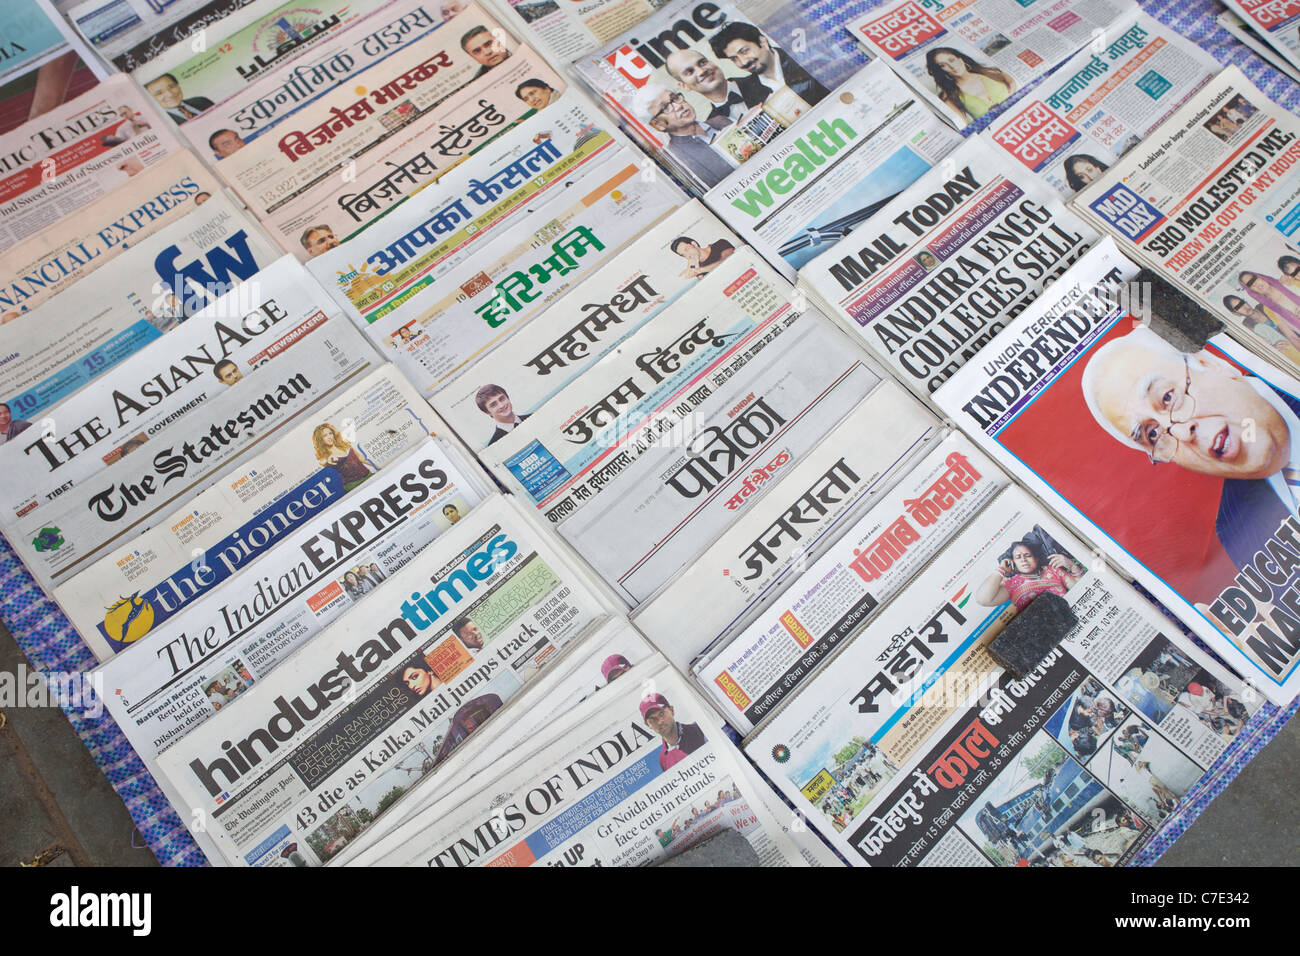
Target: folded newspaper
(1244,32)
(1275,22)
(128,33)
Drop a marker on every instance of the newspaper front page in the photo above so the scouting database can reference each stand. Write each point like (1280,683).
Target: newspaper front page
(1276,22)
(777,539)
(833,169)
(673,435)
(320,748)
(1198,527)
(1211,201)
(129,33)
(939,270)
(664,262)
(1105,100)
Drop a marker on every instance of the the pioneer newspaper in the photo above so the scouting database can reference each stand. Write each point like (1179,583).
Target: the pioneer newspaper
(676,433)
(56,164)
(63,252)
(320,748)
(781,535)
(276,93)
(833,169)
(137,587)
(102,320)
(1211,201)
(1276,22)
(936,273)
(967,58)
(1076,763)
(1211,530)
(1102,102)
(129,33)
(486,290)
(227,638)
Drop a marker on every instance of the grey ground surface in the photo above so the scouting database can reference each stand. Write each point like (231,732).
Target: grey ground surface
(57,807)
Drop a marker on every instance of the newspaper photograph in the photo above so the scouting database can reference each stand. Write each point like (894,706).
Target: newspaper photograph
(64,76)
(129,33)
(1275,22)
(63,160)
(780,536)
(1105,100)
(1212,189)
(676,433)
(322,746)
(1176,462)
(664,262)
(938,271)
(832,171)
(1077,763)
(965,59)
(119,599)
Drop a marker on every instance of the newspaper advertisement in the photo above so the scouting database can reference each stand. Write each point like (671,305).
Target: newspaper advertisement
(967,58)
(1105,100)
(771,546)
(1275,22)
(274,94)
(541,358)
(129,33)
(676,433)
(750,676)
(705,90)
(55,165)
(119,599)
(833,170)
(936,273)
(27,38)
(64,252)
(1212,189)
(1175,462)
(225,639)
(1076,763)
(482,295)
(111,314)
(325,743)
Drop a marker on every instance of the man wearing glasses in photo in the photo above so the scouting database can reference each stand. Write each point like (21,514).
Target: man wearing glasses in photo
(689,140)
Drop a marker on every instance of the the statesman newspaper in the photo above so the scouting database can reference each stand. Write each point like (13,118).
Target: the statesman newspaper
(839,593)
(1078,399)
(937,272)
(541,358)
(65,251)
(1102,102)
(56,164)
(967,58)
(1211,201)
(321,747)
(1276,22)
(137,587)
(227,638)
(833,169)
(775,541)
(669,439)
(1074,764)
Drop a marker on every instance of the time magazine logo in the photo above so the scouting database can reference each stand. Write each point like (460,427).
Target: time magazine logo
(634,67)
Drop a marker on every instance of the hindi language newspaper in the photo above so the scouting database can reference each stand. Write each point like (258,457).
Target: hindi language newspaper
(1275,22)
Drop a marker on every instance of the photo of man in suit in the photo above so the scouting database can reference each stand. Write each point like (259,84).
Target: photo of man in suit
(689,141)
(167,92)
(494,402)
(697,73)
(769,67)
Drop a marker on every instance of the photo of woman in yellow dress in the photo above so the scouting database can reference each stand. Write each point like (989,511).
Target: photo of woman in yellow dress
(965,86)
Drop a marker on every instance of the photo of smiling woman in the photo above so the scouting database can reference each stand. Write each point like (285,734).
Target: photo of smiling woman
(332,451)
(970,89)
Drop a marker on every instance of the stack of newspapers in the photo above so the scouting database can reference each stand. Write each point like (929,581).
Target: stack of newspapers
(493,434)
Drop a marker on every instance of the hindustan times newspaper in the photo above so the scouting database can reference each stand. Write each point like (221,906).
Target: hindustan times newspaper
(322,746)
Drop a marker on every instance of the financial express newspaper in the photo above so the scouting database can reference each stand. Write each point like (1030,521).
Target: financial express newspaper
(673,434)
(1212,189)
(321,747)
(937,272)
(1210,529)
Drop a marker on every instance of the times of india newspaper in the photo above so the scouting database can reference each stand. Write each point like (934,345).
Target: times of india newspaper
(937,272)
(1208,528)
(321,747)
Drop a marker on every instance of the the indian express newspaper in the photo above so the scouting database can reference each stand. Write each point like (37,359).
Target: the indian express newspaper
(1074,764)
(1210,201)
(671,435)
(1276,22)
(966,58)
(1102,102)
(832,170)
(1078,400)
(229,636)
(319,749)
(661,264)
(137,587)
(777,537)
(939,270)
(833,597)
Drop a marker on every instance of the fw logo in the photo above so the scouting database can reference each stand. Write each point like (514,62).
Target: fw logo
(631,64)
